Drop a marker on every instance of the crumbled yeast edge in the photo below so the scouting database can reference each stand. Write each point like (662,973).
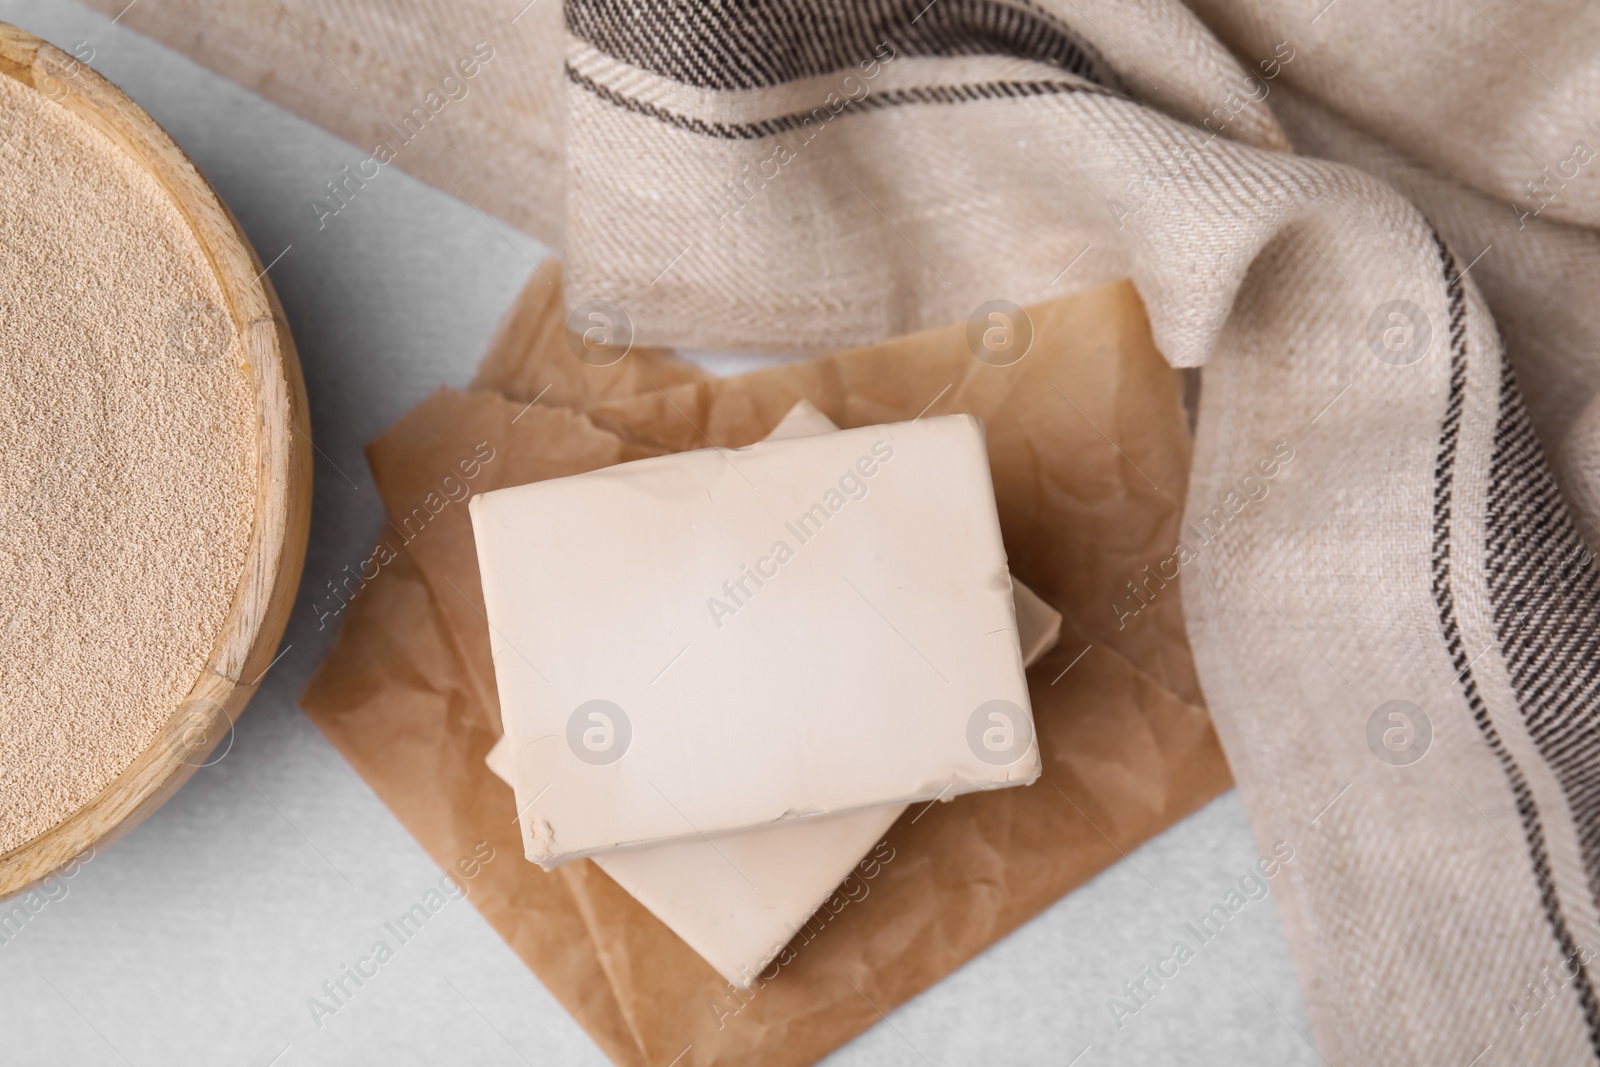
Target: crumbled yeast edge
(539,841)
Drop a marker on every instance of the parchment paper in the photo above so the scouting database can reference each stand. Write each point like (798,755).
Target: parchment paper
(1090,452)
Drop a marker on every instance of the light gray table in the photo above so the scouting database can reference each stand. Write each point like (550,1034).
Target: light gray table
(200,937)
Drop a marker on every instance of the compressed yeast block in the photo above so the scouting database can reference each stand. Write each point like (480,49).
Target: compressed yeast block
(737,902)
(716,640)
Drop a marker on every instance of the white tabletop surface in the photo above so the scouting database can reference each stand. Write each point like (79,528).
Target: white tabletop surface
(199,938)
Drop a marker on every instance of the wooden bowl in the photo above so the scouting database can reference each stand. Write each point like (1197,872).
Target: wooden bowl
(265,594)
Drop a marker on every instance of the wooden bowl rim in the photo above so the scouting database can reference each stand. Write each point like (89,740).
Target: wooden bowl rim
(267,583)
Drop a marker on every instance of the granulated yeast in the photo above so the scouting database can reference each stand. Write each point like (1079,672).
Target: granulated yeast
(127,454)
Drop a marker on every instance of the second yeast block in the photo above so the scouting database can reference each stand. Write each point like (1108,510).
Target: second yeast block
(717,640)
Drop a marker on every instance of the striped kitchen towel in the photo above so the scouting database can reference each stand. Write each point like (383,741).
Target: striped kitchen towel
(1390,597)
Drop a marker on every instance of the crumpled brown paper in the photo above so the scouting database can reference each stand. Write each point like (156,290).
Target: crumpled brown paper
(1090,455)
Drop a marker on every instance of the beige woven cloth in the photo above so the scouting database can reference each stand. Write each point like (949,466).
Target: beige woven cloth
(1398,637)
